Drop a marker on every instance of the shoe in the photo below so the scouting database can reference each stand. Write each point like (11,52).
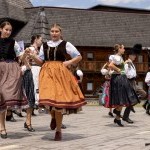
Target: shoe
(4,136)
(24,110)
(36,107)
(58,136)
(33,114)
(117,113)
(128,120)
(29,127)
(63,126)
(17,113)
(53,124)
(10,118)
(20,115)
(118,122)
(110,114)
(147,112)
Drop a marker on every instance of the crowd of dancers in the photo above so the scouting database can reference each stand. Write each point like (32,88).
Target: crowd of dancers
(46,75)
(120,88)
(40,76)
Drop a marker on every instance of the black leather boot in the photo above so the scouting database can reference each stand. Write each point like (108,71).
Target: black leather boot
(117,113)
(118,122)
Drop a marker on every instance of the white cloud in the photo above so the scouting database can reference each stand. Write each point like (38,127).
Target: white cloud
(113,2)
(64,5)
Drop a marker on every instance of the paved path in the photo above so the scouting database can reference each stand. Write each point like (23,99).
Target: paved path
(92,129)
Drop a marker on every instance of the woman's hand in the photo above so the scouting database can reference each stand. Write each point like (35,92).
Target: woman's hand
(25,54)
(67,63)
(27,51)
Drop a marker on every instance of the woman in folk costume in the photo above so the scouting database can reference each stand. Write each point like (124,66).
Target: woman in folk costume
(36,42)
(105,94)
(58,89)
(121,92)
(11,95)
(147,103)
(131,74)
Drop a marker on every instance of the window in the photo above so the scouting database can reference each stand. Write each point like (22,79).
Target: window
(90,56)
(90,86)
(140,58)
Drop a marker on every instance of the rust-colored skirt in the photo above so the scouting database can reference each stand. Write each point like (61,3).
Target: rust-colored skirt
(11,94)
(58,87)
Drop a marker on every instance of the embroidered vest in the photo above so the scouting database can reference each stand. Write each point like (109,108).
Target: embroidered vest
(57,53)
(7,51)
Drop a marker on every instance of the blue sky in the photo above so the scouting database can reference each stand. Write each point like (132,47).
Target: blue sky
(144,4)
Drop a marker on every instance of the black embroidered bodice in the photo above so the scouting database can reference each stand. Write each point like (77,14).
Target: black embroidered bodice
(57,53)
(7,51)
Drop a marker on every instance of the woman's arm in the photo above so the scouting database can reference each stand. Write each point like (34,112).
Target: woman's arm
(147,78)
(72,61)
(74,54)
(36,59)
(113,67)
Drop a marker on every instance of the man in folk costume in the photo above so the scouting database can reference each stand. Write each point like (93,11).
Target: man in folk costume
(131,74)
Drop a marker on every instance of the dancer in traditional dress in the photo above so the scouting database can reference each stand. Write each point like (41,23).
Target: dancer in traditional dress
(36,42)
(131,74)
(121,92)
(147,103)
(105,92)
(58,89)
(11,95)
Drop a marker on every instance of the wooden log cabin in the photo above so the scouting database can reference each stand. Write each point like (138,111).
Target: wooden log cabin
(94,60)
(93,31)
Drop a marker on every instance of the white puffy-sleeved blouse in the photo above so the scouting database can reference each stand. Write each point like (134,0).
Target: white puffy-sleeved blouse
(130,70)
(117,60)
(147,78)
(17,49)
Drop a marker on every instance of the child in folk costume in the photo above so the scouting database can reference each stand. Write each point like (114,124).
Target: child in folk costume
(131,74)
(105,92)
(36,42)
(147,103)
(11,95)
(58,89)
(121,92)
(28,81)
(28,86)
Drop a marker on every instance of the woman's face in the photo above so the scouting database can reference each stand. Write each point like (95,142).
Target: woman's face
(121,50)
(55,34)
(6,31)
(132,57)
(39,41)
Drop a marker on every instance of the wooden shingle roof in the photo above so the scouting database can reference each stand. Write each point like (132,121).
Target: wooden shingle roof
(94,28)
(14,9)
(41,25)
